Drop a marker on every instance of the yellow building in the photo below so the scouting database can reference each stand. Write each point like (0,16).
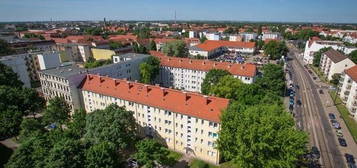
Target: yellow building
(102,54)
(185,122)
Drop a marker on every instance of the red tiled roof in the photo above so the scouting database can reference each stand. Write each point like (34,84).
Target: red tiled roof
(192,104)
(352,72)
(163,40)
(210,45)
(248,70)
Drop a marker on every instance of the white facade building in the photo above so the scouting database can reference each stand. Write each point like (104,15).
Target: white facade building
(313,46)
(348,90)
(249,36)
(267,36)
(333,62)
(18,64)
(213,36)
(185,122)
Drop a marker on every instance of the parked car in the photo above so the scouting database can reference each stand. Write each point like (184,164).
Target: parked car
(351,165)
(337,125)
(331,116)
(339,133)
(314,77)
(342,142)
(349,158)
(132,163)
(315,152)
(321,91)
(298,102)
(297,86)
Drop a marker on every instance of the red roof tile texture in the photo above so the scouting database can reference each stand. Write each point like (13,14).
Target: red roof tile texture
(352,72)
(191,104)
(248,70)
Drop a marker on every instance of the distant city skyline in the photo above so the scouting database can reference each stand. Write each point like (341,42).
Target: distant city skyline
(328,11)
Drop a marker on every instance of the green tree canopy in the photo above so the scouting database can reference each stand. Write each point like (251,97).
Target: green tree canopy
(66,153)
(152,45)
(57,111)
(212,78)
(149,69)
(260,136)
(176,48)
(10,121)
(78,125)
(353,56)
(5,49)
(113,124)
(203,39)
(317,56)
(335,79)
(115,45)
(273,79)
(102,155)
(275,49)
(150,152)
(8,77)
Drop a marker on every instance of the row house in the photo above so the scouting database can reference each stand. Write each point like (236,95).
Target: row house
(333,62)
(184,122)
(348,90)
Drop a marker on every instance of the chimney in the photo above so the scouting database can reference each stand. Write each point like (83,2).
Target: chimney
(130,85)
(187,97)
(147,88)
(116,82)
(242,67)
(164,92)
(206,99)
(203,63)
(101,79)
(180,60)
(230,66)
(190,61)
(90,77)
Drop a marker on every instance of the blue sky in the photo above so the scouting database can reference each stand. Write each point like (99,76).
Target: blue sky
(238,10)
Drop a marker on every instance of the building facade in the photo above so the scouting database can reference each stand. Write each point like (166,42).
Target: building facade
(184,122)
(348,90)
(188,74)
(333,62)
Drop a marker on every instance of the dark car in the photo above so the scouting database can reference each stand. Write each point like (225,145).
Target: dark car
(315,152)
(332,116)
(298,102)
(297,86)
(349,158)
(321,91)
(314,77)
(342,142)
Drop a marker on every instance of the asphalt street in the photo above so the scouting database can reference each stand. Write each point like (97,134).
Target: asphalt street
(311,117)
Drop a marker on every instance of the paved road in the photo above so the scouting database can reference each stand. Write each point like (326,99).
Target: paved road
(312,118)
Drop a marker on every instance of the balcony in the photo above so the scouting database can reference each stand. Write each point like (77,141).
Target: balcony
(346,92)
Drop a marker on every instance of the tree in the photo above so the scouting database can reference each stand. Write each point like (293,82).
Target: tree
(101,155)
(259,44)
(152,45)
(138,48)
(113,124)
(8,77)
(203,39)
(30,127)
(149,69)
(115,45)
(5,49)
(273,79)
(275,50)
(260,136)
(353,56)
(175,48)
(150,152)
(317,56)
(57,112)
(335,79)
(10,121)
(229,30)
(78,124)
(66,153)
(212,78)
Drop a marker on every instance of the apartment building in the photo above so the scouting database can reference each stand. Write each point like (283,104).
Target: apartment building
(249,36)
(213,36)
(315,44)
(18,63)
(348,90)
(235,37)
(214,48)
(188,74)
(63,82)
(333,62)
(184,122)
(270,36)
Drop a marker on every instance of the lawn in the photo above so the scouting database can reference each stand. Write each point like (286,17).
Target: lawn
(201,164)
(350,122)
